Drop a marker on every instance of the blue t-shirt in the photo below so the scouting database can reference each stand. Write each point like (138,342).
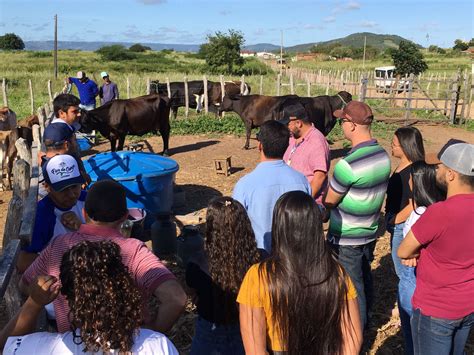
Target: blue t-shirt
(259,190)
(87,91)
(48,222)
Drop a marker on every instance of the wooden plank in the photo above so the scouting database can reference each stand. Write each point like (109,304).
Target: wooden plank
(409,98)
(148,86)
(454,98)
(278,84)
(186,97)
(50,91)
(206,97)
(29,210)
(261,85)
(466,95)
(23,150)
(7,264)
(168,87)
(292,87)
(4,92)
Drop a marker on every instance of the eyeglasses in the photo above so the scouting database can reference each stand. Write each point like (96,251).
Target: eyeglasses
(342,120)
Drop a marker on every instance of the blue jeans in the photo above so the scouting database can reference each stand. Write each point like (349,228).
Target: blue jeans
(436,336)
(406,288)
(396,239)
(356,260)
(213,339)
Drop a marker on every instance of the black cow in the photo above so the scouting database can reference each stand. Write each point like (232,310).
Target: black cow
(256,109)
(136,116)
(177,93)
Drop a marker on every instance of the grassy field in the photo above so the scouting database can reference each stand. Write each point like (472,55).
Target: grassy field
(437,63)
(18,67)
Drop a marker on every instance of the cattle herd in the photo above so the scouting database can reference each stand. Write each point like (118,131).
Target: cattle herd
(151,113)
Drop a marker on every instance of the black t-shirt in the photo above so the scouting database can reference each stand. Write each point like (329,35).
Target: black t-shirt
(210,305)
(398,191)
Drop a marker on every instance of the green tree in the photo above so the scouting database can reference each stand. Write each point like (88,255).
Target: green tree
(460,45)
(137,47)
(436,49)
(341,52)
(11,41)
(223,51)
(471,42)
(115,53)
(408,59)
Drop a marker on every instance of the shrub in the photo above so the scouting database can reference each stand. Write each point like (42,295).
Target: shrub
(11,41)
(139,48)
(115,53)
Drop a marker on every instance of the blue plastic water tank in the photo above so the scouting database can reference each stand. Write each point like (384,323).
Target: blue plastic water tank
(147,177)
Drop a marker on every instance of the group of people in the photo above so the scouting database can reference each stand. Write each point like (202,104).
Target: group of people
(272,281)
(88,90)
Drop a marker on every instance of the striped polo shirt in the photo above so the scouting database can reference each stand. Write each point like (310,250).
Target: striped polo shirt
(362,178)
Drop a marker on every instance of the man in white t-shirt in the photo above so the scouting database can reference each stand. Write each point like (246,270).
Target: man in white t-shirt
(60,211)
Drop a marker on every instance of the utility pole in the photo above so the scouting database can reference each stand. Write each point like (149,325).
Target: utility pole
(427,41)
(55,54)
(363,58)
(281,51)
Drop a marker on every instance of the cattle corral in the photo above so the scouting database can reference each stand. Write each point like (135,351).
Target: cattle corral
(195,155)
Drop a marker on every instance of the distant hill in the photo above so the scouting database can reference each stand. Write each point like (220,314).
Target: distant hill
(92,46)
(379,41)
(261,47)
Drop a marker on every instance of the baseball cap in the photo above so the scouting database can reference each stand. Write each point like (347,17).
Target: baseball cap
(81,75)
(57,133)
(104,74)
(358,112)
(293,112)
(455,154)
(62,171)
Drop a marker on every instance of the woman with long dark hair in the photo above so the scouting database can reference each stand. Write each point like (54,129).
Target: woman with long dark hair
(231,249)
(425,192)
(105,308)
(299,300)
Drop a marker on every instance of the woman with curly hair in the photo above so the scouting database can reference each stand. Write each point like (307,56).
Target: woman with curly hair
(299,300)
(230,250)
(105,308)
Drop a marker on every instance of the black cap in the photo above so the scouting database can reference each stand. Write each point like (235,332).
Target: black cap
(294,112)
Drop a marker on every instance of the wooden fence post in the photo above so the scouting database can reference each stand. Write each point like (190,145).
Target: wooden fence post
(221,79)
(128,87)
(21,180)
(4,92)
(186,97)
(328,83)
(206,97)
(455,98)
(308,86)
(466,96)
(148,86)
(47,111)
(278,84)
(242,85)
(363,89)
(42,119)
(36,134)
(261,85)
(23,150)
(50,91)
(32,99)
(292,87)
(409,98)
(168,87)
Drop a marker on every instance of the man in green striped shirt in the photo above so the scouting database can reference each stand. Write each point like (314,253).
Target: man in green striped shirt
(354,199)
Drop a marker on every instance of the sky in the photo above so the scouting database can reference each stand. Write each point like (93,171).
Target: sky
(261,21)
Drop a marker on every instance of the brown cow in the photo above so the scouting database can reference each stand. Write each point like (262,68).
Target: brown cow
(214,93)
(256,109)
(136,116)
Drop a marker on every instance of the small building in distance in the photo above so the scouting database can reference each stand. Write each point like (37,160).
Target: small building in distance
(266,55)
(247,53)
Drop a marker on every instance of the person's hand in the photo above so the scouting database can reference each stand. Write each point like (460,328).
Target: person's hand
(71,221)
(44,290)
(412,262)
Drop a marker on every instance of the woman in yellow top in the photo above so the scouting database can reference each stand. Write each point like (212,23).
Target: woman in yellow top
(299,300)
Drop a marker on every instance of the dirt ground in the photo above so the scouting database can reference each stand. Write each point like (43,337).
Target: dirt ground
(197,177)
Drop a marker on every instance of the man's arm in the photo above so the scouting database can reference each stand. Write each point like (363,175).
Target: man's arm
(409,248)
(332,198)
(253,329)
(172,299)
(317,182)
(43,291)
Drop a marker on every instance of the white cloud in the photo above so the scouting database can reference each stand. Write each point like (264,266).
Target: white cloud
(352,5)
(344,7)
(152,2)
(329,19)
(368,24)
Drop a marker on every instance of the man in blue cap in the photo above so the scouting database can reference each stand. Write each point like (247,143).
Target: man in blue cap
(109,90)
(60,211)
